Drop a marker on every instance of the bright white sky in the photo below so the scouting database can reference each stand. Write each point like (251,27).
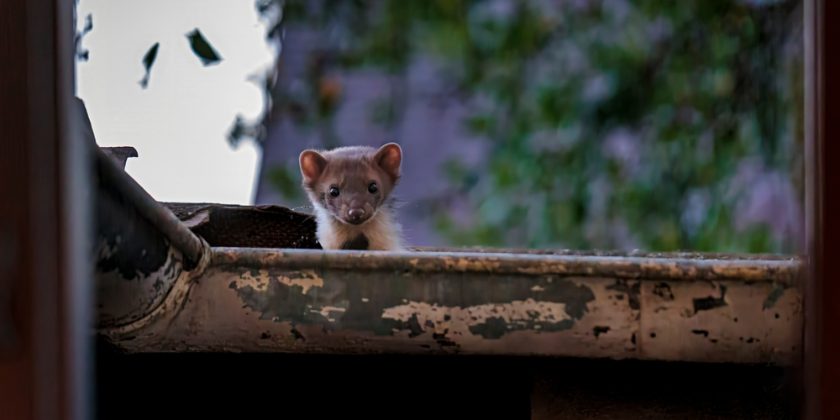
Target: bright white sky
(179,123)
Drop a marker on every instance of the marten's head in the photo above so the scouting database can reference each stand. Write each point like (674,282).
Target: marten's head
(351,183)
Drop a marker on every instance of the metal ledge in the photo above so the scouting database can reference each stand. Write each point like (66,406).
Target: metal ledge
(350,302)
(783,270)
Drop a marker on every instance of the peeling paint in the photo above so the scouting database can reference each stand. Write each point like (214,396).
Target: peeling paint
(463,264)
(278,301)
(330,312)
(297,334)
(663,290)
(598,330)
(488,321)
(129,299)
(260,279)
(312,305)
(710,302)
(631,288)
(129,257)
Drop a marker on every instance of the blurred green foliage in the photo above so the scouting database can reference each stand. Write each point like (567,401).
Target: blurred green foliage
(609,123)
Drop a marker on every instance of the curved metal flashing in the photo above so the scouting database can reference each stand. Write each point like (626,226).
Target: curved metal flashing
(352,302)
(141,247)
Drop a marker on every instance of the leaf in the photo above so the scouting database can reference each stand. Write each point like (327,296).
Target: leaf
(148,61)
(202,49)
(150,56)
(81,53)
(264,6)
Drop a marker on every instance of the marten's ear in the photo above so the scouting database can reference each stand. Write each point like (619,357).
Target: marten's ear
(389,158)
(312,165)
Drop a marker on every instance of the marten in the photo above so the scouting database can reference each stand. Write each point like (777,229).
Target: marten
(350,189)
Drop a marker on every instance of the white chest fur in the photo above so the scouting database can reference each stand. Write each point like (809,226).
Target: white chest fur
(382,231)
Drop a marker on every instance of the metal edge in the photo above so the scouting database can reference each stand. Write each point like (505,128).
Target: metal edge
(784,271)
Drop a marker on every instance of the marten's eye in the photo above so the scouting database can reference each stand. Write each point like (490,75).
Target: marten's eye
(373,188)
(334,191)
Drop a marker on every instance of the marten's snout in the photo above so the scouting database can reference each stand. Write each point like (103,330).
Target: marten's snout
(356,215)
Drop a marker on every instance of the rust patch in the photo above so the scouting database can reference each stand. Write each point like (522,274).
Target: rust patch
(393,304)
(598,330)
(465,264)
(442,340)
(277,300)
(663,290)
(669,267)
(490,321)
(704,333)
(710,302)
(706,319)
(330,313)
(630,288)
(297,334)
(259,279)
(123,300)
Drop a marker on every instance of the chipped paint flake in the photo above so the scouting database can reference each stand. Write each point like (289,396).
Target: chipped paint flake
(307,280)
(328,312)
(517,314)
(260,279)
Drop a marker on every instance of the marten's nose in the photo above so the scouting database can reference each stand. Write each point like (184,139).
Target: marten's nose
(356,214)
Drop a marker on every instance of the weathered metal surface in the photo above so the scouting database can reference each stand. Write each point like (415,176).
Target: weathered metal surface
(664,307)
(139,254)
(758,321)
(784,269)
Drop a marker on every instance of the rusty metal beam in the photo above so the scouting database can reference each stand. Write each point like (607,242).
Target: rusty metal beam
(738,309)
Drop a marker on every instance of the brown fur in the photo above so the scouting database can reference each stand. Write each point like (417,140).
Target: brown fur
(356,218)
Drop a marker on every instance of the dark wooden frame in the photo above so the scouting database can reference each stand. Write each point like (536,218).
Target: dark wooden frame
(44,263)
(822,110)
